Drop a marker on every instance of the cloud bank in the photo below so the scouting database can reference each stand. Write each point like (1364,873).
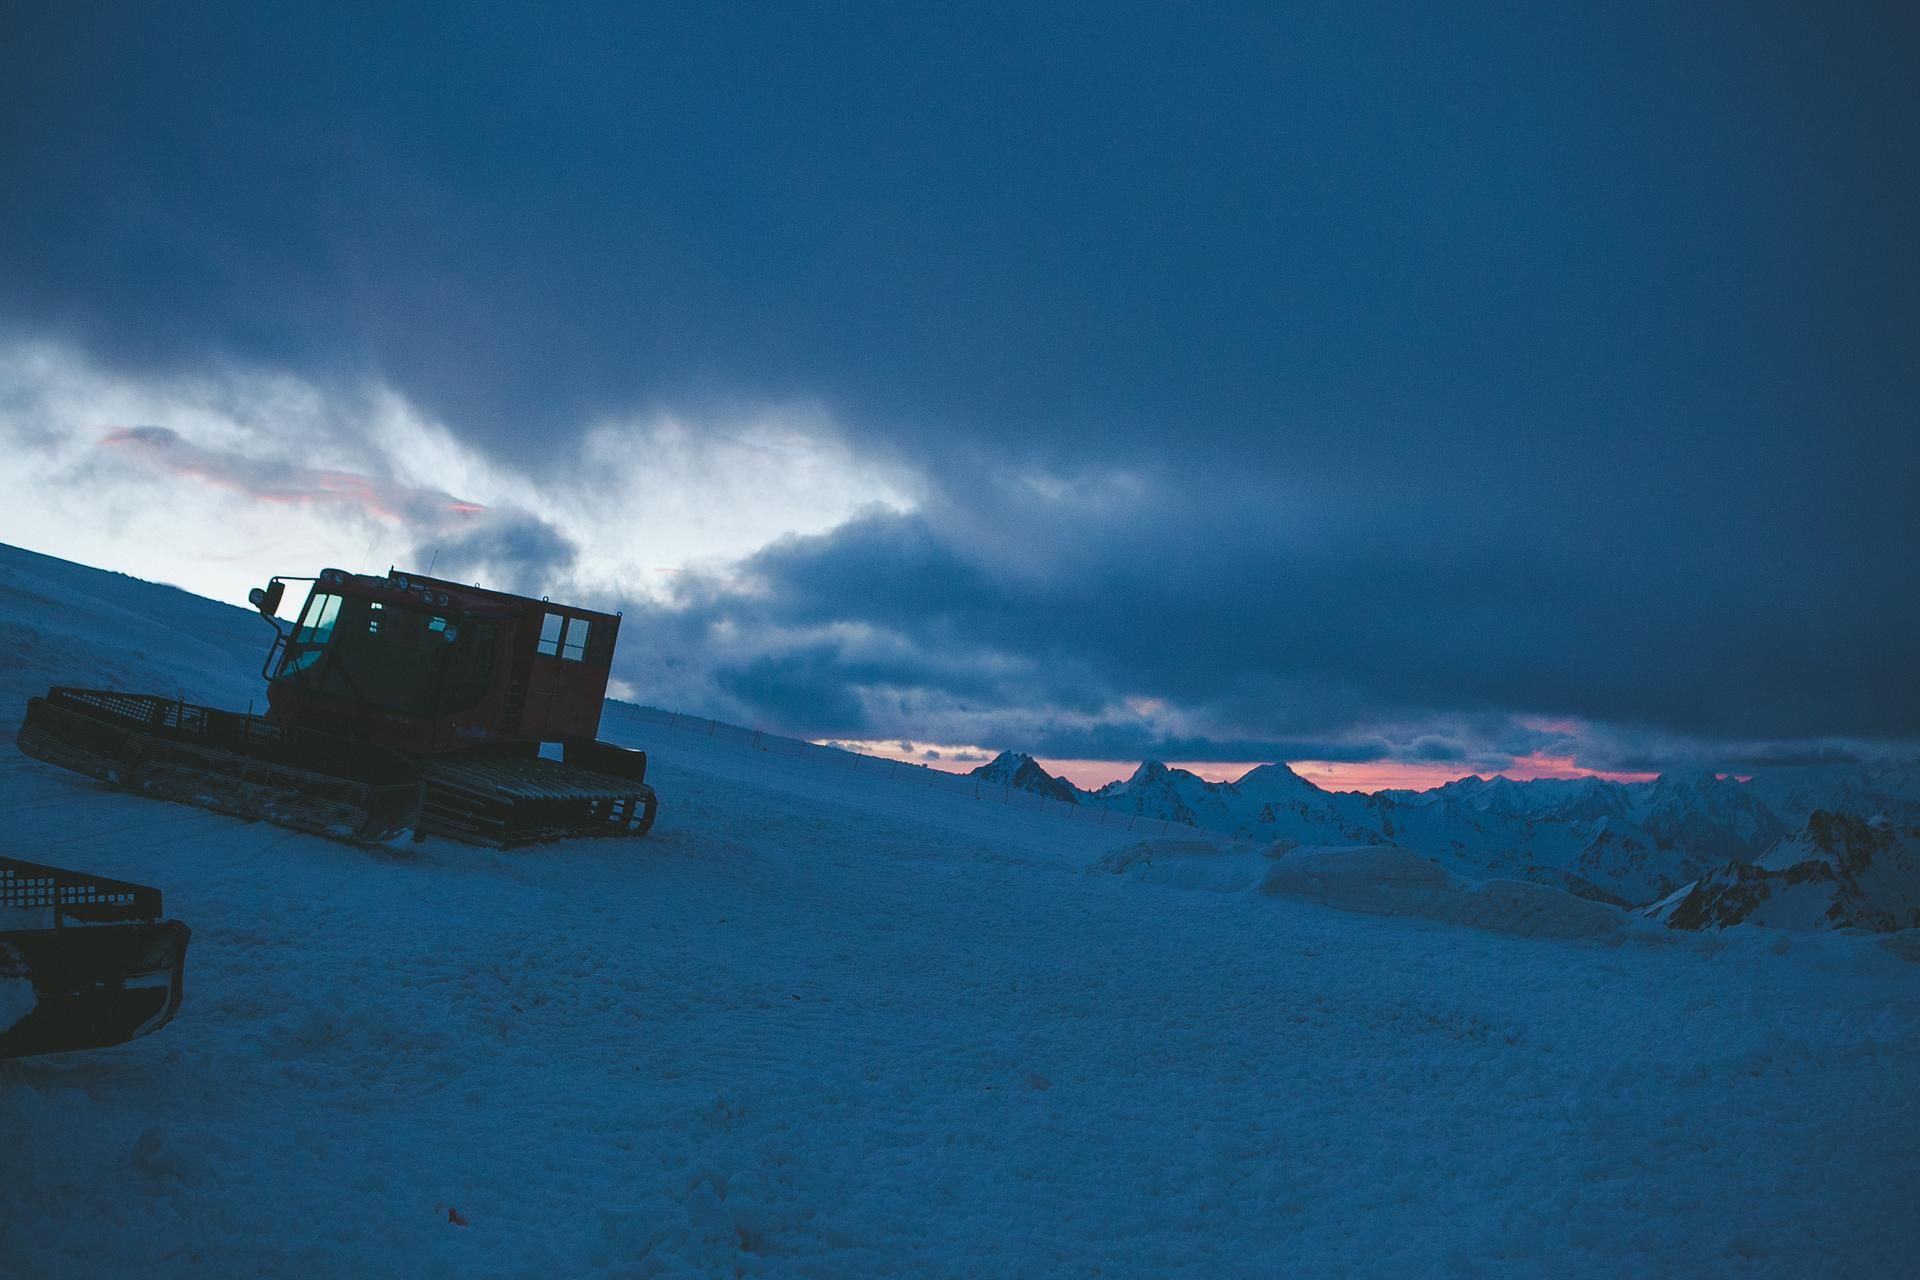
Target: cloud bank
(1452,388)
(1061,614)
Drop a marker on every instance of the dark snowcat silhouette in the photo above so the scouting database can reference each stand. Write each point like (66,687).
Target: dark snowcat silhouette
(395,703)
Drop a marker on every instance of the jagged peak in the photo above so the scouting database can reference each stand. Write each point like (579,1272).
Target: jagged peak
(1703,780)
(1278,769)
(1019,770)
(1149,771)
(1275,778)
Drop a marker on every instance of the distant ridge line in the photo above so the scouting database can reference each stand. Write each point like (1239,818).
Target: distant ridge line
(901,772)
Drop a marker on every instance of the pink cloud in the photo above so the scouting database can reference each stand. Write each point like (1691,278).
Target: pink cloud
(285,482)
(1540,765)
(1375,775)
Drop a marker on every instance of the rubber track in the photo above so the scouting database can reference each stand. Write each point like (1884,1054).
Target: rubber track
(504,803)
(178,751)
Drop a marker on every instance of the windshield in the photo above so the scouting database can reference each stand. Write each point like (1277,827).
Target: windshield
(406,660)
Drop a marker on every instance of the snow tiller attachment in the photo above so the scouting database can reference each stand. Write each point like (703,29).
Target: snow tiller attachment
(85,962)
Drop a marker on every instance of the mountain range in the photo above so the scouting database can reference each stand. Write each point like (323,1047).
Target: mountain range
(1837,872)
(1630,844)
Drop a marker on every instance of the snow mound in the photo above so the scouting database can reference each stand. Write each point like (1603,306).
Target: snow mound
(1377,880)
(1209,866)
(1523,909)
(1395,882)
(1905,944)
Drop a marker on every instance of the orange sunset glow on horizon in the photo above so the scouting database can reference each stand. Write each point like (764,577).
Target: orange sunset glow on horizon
(1328,775)
(1397,775)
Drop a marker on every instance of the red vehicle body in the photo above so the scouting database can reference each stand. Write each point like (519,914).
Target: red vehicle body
(425,667)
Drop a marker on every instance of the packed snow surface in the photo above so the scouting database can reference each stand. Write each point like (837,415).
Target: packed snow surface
(806,1029)
(16,997)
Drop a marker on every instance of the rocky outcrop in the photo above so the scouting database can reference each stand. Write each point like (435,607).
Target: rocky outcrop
(1839,872)
(1023,773)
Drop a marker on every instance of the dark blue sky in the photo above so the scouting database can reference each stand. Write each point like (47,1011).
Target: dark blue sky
(1467,366)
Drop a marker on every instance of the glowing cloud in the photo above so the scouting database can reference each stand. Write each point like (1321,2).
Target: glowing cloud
(274,481)
(252,472)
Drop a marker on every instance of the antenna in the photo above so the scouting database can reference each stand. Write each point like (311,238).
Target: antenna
(434,561)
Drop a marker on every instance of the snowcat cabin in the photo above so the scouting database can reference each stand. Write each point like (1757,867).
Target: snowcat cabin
(562,658)
(427,666)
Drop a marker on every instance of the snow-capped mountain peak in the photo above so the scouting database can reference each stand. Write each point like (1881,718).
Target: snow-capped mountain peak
(1839,871)
(1023,773)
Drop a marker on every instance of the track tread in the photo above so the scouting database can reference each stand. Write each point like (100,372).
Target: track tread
(510,802)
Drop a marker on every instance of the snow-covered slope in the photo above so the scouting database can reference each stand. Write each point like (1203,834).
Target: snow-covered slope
(1838,872)
(1707,816)
(17,998)
(62,623)
(1394,882)
(822,1026)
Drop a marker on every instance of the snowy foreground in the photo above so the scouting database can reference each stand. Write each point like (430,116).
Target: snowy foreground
(809,1029)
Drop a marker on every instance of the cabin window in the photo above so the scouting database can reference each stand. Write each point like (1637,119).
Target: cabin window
(575,649)
(316,628)
(550,634)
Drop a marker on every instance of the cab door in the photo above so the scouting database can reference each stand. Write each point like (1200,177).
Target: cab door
(568,679)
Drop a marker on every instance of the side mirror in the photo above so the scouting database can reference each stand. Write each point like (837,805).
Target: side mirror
(267,599)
